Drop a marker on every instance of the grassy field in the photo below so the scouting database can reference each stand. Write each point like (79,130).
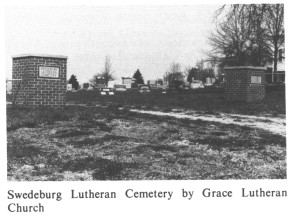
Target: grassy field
(109,142)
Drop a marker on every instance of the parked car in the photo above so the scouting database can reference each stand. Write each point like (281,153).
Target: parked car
(120,87)
(184,87)
(197,84)
(144,88)
(164,89)
(106,91)
(175,84)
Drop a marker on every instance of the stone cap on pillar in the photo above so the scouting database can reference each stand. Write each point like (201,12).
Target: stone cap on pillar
(40,55)
(245,67)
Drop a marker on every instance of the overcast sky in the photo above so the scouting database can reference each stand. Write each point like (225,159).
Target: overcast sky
(148,38)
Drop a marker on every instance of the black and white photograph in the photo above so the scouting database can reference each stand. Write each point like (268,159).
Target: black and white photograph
(145,93)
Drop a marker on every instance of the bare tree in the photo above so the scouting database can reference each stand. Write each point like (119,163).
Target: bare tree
(106,74)
(249,34)
(174,73)
(274,21)
(175,68)
(231,41)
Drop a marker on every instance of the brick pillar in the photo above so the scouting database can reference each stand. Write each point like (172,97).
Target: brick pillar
(43,80)
(244,83)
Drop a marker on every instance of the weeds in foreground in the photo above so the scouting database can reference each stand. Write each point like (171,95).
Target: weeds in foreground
(105,143)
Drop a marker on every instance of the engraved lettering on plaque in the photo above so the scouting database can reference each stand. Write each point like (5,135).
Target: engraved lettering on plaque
(256,79)
(49,72)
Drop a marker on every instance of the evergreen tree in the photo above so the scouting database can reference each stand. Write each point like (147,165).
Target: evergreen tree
(138,76)
(192,74)
(74,82)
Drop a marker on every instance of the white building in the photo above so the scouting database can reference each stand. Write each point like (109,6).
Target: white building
(128,81)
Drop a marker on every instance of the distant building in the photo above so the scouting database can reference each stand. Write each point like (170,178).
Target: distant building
(152,83)
(111,84)
(128,81)
(279,75)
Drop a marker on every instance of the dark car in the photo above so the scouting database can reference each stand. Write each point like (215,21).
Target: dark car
(120,87)
(144,88)
(106,91)
(184,87)
(175,84)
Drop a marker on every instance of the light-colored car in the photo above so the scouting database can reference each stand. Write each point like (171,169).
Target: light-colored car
(197,84)
(120,87)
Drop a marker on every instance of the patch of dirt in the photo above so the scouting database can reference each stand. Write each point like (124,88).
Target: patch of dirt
(103,169)
(119,138)
(219,133)
(90,141)
(157,148)
(85,142)
(274,125)
(69,132)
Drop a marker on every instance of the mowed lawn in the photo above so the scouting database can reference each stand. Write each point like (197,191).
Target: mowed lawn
(104,140)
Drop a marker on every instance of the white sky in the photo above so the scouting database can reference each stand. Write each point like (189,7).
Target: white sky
(148,38)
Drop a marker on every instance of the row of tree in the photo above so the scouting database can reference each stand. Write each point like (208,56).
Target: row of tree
(174,73)
(107,74)
(248,34)
(199,72)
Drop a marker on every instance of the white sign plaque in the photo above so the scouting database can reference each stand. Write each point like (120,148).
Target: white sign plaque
(49,72)
(69,87)
(256,79)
